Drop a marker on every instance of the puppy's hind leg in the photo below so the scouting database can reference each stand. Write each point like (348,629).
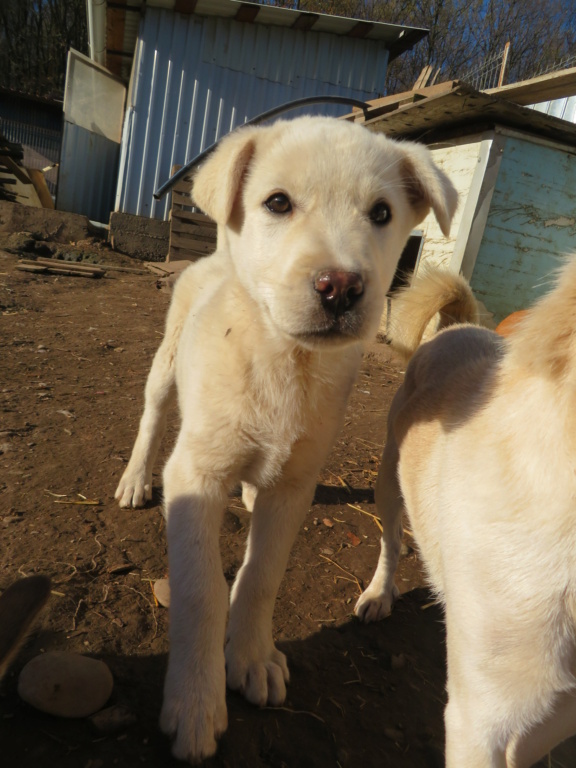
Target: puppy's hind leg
(525,750)
(376,601)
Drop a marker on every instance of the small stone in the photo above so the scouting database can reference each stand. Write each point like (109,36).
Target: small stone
(162,592)
(113,719)
(9,519)
(65,684)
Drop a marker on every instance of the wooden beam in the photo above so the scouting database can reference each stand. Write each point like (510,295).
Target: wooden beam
(361,30)
(115,20)
(247,13)
(556,85)
(305,21)
(423,77)
(185,6)
(385,104)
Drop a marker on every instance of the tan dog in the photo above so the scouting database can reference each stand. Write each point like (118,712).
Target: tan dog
(481,452)
(263,342)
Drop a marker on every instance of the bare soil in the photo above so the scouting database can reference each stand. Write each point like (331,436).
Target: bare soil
(75,353)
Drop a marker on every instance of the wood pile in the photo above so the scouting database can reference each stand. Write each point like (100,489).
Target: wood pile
(47,266)
(19,184)
(10,169)
(192,235)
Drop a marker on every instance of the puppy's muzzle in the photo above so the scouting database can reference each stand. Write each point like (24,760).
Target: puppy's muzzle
(338,290)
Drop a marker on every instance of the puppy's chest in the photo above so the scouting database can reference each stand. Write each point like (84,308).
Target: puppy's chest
(278,418)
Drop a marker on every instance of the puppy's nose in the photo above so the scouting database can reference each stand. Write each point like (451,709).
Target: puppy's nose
(338,290)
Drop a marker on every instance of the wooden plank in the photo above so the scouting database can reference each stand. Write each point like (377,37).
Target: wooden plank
(423,77)
(69,271)
(201,218)
(464,111)
(62,263)
(176,254)
(556,85)
(179,199)
(184,186)
(193,230)
(38,180)
(386,104)
(14,168)
(189,242)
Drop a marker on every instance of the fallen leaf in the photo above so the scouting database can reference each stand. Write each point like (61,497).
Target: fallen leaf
(354,540)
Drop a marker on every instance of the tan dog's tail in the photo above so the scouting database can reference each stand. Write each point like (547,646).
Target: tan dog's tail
(435,298)
(19,606)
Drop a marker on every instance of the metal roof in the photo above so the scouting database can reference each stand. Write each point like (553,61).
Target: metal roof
(113,25)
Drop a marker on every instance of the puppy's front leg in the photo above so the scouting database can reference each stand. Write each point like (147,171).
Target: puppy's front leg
(135,487)
(254,665)
(376,601)
(194,708)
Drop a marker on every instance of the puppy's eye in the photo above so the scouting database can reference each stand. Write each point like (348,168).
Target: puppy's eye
(380,213)
(278,203)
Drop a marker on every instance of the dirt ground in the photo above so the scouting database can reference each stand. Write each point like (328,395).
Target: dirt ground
(75,353)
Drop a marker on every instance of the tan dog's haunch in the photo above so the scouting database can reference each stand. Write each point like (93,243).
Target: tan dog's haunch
(263,341)
(481,453)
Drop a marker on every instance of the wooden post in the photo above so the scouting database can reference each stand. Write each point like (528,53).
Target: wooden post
(504,63)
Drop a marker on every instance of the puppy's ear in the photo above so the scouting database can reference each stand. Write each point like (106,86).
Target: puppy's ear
(219,180)
(428,186)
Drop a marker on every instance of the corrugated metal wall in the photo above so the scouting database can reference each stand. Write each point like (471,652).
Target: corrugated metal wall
(563,108)
(87,156)
(197,78)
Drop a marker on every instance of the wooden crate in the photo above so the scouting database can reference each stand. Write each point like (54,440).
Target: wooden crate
(192,235)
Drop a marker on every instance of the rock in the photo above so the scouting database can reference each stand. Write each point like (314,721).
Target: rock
(65,684)
(20,241)
(113,719)
(162,592)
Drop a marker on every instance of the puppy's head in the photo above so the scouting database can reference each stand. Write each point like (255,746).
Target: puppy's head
(315,213)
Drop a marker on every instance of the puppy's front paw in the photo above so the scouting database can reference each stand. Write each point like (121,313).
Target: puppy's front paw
(373,605)
(194,715)
(261,679)
(134,489)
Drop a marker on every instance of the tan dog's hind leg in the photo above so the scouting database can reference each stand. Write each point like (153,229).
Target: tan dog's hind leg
(376,601)
(194,708)
(523,752)
(475,733)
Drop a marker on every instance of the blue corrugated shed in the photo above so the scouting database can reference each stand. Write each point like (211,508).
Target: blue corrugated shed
(195,78)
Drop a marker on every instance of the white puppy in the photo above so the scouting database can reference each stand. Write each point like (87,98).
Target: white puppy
(481,453)
(263,341)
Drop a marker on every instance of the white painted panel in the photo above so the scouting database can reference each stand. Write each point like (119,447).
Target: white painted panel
(459,162)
